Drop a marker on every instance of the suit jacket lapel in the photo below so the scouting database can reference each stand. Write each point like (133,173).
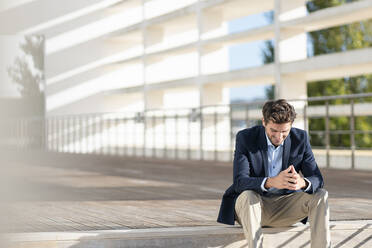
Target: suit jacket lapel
(263,149)
(286,151)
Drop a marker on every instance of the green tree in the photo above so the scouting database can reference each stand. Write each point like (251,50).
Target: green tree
(336,39)
(27,73)
(268,56)
(29,76)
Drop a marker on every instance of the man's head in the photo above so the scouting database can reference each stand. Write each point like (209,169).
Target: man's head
(278,117)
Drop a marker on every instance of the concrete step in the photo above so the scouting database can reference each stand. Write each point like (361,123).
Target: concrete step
(344,234)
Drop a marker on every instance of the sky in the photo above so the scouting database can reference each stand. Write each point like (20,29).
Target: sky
(247,55)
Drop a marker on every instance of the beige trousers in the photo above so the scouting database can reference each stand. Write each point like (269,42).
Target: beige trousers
(253,211)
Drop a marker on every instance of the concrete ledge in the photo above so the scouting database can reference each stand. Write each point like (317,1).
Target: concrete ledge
(344,233)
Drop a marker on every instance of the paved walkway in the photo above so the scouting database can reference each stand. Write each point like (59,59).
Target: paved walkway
(345,234)
(82,193)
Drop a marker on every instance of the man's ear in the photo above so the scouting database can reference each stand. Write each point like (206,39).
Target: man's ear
(263,122)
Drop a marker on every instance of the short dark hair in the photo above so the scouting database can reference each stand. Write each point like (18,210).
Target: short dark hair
(278,111)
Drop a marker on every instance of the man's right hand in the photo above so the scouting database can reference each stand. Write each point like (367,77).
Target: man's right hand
(283,180)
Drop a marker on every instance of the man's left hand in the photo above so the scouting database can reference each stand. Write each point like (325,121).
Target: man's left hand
(296,181)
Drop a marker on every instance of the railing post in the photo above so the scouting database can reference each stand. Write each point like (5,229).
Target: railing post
(144,134)
(67,133)
(21,133)
(76,136)
(176,136)
(85,133)
(71,133)
(117,135)
(247,115)
(108,134)
(306,128)
(215,116)
(60,134)
(327,135)
(153,125)
(134,143)
(101,132)
(189,121)
(165,135)
(231,133)
(201,133)
(352,135)
(44,131)
(96,133)
(123,135)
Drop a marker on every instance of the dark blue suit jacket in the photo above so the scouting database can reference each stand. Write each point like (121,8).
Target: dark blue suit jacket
(251,166)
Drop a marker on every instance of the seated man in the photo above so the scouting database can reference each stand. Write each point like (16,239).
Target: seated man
(267,189)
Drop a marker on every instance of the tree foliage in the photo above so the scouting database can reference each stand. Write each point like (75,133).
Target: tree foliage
(342,38)
(27,72)
(356,35)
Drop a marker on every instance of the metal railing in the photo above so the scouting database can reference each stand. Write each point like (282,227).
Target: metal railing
(205,133)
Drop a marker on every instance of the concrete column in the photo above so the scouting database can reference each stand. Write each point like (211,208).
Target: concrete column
(295,87)
(155,35)
(154,100)
(213,24)
(169,136)
(214,94)
(215,58)
(291,47)
(215,122)
(130,102)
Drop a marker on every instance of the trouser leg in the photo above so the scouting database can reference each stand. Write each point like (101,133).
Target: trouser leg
(248,213)
(286,210)
(254,211)
(319,220)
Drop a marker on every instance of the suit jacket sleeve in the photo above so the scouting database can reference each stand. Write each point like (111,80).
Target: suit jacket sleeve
(310,169)
(242,167)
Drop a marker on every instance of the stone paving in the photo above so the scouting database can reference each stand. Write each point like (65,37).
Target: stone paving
(66,192)
(345,234)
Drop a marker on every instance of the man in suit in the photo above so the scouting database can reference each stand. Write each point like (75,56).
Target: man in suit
(276,181)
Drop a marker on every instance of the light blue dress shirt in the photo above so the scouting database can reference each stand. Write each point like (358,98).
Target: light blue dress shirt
(275,155)
(275,159)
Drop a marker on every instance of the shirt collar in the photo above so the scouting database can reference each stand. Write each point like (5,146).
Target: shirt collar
(269,142)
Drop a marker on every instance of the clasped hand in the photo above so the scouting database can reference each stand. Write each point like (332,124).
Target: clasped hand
(286,179)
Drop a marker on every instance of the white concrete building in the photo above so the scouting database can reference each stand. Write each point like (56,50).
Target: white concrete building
(137,55)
